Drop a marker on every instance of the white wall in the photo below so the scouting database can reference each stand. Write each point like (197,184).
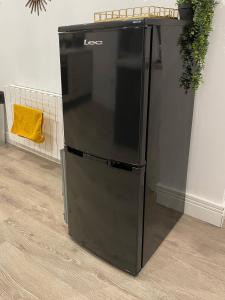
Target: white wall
(207,159)
(29,56)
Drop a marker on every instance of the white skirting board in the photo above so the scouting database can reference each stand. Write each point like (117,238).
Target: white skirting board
(193,206)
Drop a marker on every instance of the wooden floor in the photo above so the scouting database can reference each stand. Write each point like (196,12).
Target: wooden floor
(38,260)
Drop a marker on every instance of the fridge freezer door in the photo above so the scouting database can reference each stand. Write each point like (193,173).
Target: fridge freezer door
(105,209)
(104,104)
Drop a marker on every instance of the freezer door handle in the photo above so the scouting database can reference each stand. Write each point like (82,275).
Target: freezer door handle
(123,166)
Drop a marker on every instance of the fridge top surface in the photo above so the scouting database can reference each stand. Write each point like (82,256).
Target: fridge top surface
(119,24)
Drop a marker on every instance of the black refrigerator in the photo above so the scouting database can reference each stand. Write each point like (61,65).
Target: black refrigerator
(127,125)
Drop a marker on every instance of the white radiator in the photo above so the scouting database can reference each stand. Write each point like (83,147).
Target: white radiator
(51,105)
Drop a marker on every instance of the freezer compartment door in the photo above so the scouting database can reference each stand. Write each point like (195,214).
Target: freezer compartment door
(103,74)
(105,209)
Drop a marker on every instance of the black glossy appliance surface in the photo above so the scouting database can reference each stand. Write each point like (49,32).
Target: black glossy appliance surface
(105,208)
(104,104)
(127,136)
(2,98)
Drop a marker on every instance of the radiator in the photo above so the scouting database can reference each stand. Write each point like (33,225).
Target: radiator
(51,105)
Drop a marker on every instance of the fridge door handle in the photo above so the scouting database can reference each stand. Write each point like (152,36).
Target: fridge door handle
(86,155)
(75,151)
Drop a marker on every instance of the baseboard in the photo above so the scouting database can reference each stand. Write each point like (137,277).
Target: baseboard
(21,146)
(191,205)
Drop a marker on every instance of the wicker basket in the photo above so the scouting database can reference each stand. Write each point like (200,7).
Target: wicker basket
(136,13)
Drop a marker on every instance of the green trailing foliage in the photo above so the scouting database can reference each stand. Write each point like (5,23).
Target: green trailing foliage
(194,42)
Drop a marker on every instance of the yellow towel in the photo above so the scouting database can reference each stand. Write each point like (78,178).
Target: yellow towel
(28,123)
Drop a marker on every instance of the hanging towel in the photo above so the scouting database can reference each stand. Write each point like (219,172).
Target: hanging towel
(28,123)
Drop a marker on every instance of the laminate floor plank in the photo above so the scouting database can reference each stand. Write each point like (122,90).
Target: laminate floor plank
(35,280)
(22,196)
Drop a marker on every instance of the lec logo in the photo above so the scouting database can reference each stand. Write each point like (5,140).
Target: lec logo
(93,43)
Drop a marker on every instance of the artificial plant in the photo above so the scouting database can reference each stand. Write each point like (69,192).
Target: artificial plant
(194,42)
